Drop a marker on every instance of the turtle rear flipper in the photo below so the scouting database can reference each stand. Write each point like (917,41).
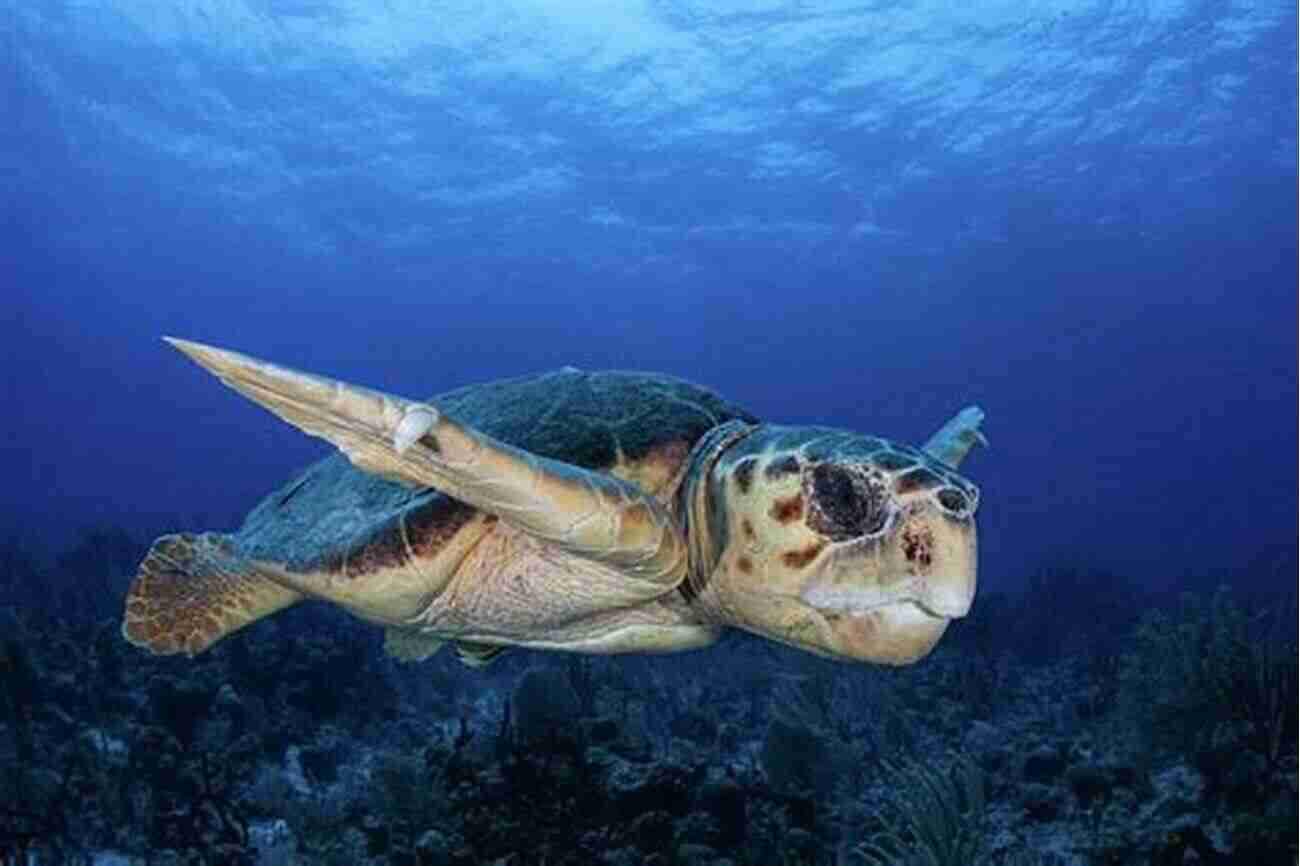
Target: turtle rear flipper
(192,590)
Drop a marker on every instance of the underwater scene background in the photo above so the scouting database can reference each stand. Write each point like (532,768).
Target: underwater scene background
(1081,216)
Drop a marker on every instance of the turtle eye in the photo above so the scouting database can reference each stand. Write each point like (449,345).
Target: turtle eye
(953,500)
(845,504)
(959,502)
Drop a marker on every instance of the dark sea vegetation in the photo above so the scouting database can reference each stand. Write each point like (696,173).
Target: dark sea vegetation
(1078,722)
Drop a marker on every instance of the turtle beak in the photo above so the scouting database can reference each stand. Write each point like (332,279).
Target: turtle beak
(949,589)
(898,634)
(891,600)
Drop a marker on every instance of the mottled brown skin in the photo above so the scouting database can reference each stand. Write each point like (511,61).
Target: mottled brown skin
(192,589)
(797,559)
(918,547)
(787,510)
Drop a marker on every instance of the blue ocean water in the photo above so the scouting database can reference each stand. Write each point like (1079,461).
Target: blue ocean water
(1081,216)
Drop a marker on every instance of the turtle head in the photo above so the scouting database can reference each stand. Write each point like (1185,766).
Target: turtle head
(845,545)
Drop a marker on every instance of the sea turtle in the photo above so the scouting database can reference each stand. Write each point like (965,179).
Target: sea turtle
(597,512)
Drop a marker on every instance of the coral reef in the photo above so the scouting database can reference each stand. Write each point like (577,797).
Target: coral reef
(1156,731)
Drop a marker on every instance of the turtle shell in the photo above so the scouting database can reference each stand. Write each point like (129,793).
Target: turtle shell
(337,518)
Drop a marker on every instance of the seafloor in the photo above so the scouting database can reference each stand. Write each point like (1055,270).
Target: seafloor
(1080,722)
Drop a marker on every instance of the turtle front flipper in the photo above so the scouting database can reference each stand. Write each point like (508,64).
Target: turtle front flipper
(593,515)
(954,440)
